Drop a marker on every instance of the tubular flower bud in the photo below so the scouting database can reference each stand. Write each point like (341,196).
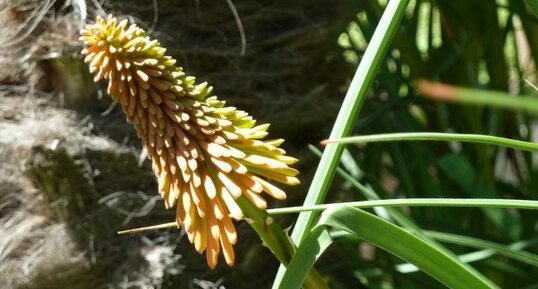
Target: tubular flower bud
(204,154)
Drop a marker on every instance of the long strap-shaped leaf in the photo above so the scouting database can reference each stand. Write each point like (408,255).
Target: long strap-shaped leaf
(349,111)
(311,248)
(437,136)
(503,250)
(441,266)
(373,56)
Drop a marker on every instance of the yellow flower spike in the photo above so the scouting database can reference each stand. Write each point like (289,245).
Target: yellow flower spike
(204,154)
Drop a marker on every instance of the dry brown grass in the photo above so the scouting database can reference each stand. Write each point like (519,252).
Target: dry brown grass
(290,76)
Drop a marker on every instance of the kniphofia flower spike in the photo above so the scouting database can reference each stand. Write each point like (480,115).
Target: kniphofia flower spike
(205,154)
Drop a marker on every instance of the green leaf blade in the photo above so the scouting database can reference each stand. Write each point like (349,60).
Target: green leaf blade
(437,136)
(407,246)
(310,249)
(351,106)
(522,256)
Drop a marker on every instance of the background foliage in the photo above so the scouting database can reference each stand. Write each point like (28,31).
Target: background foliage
(58,134)
(484,45)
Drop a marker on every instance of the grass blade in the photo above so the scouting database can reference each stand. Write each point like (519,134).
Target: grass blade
(499,249)
(474,256)
(415,202)
(435,136)
(313,245)
(349,110)
(407,246)
(373,56)
(369,194)
(407,268)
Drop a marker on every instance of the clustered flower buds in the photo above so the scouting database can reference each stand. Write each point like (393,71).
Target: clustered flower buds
(205,154)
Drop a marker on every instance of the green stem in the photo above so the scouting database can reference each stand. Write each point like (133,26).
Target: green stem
(274,237)
(433,136)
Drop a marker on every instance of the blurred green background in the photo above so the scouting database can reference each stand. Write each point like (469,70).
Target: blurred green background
(72,172)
